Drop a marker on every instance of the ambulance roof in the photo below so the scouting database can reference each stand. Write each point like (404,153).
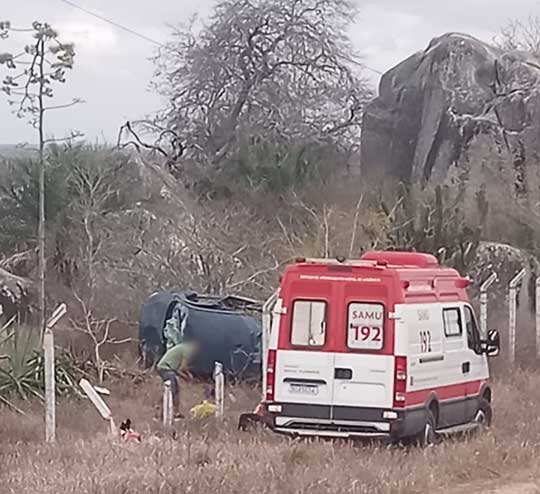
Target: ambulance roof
(411,277)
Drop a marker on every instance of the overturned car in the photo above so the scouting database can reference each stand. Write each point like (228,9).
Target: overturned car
(228,330)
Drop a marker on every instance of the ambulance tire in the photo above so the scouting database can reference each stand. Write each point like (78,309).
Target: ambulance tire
(484,415)
(428,435)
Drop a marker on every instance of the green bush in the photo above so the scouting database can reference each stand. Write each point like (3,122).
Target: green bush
(22,367)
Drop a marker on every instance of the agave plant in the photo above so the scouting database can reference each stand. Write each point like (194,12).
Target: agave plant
(22,366)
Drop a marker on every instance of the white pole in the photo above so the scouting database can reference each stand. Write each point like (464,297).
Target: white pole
(268,307)
(50,378)
(512,315)
(50,385)
(484,303)
(93,395)
(219,380)
(167,405)
(538,316)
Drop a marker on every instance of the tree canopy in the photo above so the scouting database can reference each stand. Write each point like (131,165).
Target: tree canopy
(280,71)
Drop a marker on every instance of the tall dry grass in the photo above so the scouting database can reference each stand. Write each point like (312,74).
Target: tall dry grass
(214,457)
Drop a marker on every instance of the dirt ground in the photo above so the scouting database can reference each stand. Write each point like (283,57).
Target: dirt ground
(210,456)
(507,488)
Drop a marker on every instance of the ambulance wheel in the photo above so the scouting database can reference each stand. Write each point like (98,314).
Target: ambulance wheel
(428,435)
(484,414)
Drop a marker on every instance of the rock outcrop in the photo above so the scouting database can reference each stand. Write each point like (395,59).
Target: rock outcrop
(461,109)
(16,294)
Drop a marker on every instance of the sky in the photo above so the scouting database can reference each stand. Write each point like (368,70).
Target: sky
(113,68)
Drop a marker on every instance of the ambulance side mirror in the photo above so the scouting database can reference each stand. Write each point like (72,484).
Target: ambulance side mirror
(492,345)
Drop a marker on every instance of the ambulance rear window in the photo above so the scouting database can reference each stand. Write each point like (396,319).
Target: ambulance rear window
(308,323)
(365,326)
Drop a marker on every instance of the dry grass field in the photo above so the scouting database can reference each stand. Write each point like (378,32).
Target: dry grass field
(214,457)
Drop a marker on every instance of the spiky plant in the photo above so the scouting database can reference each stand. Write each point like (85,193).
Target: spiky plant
(22,367)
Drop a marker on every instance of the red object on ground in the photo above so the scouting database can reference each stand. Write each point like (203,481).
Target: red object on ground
(131,436)
(128,434)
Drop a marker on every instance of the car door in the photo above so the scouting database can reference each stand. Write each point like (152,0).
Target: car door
(452,373)
(304,366)
(475,361)
(364,375)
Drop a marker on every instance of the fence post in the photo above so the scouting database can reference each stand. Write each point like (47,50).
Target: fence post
(100,404)
(167,405)
(49,374)
(267,317)
(512,314)
(484,303)
(50,386)
(538,316)
(219,381)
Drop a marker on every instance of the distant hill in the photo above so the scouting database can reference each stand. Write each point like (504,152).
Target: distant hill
(8,149)
(12,150)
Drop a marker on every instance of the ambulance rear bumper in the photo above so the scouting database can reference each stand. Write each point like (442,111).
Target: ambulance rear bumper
(316,420)
(330,433)
(328,428)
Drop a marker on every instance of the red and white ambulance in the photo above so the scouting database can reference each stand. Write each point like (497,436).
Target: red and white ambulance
(386,346)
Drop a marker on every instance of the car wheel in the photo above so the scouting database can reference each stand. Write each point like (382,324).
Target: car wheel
(428,435)
(484,414)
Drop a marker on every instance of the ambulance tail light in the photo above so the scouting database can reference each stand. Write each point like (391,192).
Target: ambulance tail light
(271,375)
(400,382)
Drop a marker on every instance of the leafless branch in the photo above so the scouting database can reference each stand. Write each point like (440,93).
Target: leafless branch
(121,342)
(285,233)
(71,137)
(355,226)
(521,34)
(253,276)
(76,101)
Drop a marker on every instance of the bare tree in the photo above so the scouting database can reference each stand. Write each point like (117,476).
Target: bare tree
(96,185)
(521,34)
(29,84)
(278,70)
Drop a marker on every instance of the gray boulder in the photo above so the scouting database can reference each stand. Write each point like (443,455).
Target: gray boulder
(459,109)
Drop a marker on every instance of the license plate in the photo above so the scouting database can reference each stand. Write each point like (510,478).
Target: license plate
(304,389)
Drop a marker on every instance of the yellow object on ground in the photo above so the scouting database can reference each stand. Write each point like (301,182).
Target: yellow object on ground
(203,410)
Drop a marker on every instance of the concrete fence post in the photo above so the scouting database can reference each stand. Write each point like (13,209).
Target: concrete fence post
(219,382)
(50,386)
(538,317)
(268,307)
(484,303)
(512,314)
(50,373)
(100,405)
(168,414)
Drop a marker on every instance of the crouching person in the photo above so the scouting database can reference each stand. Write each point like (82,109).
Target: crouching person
(175,363)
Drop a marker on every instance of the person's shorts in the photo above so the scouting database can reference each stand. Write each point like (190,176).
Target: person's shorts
(169,375)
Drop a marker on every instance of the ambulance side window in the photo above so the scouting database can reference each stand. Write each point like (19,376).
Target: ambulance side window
(308,323)
(473,335)
(452,322)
